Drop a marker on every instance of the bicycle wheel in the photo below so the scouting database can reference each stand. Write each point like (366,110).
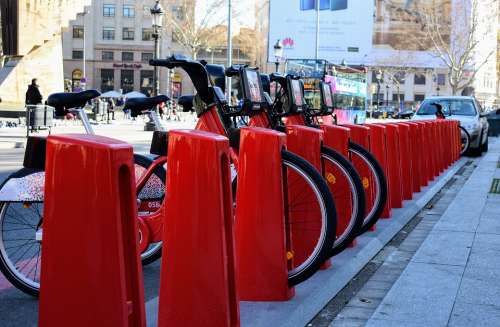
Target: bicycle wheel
(310,217)
(21,229)
(348,194)
(151,197)
(374,182)
(20,248)
(465,140)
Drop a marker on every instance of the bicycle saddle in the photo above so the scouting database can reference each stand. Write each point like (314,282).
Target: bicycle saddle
(71,100)
(186,101)
(138,105)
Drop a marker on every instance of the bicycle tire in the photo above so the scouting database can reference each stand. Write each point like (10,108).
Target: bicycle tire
(465,140)
(329,220)
(154,252)
(374,214)
(7,267)
(357,195)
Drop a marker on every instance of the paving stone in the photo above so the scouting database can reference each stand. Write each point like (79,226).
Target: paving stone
(348,322)
(458,224)
(469,315)
(445,247)
(489,224)
(356,312)
(395,323)
(485,242)
(378,285)
(419,285)
(480,285)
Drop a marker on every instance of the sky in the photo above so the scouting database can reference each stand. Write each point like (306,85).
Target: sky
(244,7)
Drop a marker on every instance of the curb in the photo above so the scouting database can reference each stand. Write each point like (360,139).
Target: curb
(314,294)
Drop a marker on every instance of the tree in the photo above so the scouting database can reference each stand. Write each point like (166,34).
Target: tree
(459,43)
(197,32)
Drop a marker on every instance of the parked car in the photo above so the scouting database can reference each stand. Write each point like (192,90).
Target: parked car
(465,109)
(406,114)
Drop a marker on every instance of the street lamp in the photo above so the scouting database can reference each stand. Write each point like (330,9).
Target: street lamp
(378,78)
(387,87)
(278,53)
(157,17)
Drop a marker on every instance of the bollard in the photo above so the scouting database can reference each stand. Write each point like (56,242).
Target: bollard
(262,237)
(378,140)
(425,154)
(198,279)
(337,138)
(361,135)
(415,145)
(91,271)
(305,142)
(394,165)
(406,158)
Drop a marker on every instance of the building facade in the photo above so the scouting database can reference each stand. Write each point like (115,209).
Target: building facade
(109,47)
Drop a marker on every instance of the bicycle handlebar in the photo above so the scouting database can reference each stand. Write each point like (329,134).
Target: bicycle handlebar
(195,70)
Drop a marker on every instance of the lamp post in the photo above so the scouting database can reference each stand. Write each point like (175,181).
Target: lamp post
(378,77)
(278,53)
(387,87)
(84,54)
(157,17)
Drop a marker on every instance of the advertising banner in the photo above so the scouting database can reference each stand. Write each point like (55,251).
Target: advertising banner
(370,32)
(345,28)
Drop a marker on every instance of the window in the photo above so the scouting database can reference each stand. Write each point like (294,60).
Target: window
(127,56)
(77,54)
(374,76)
(127,80)
(178,12)
(128,11)
(78,32)
(108,10)
(146,56)
(147,82)
(147,34)
(108,55)
(419,97)
(449,107)
(441,79)
(128,33)
(108,33)
(107,80)
(395,97)
(400,77)
(419,79)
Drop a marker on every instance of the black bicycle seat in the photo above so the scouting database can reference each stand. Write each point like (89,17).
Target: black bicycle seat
(138,105)
(186,101)
(62,101)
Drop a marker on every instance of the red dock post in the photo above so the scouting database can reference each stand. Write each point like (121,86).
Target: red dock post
(198,278)
(262,240)
(91,271)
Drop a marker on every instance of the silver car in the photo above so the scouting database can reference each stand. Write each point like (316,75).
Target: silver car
(465,109)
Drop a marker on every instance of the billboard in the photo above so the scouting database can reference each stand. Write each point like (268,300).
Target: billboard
(345,28)
(370,32)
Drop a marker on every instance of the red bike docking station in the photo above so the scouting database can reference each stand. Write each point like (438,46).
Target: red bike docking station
(379,150)
(90,203)
(262,237)
(198,272)
(305,142)
(337,138)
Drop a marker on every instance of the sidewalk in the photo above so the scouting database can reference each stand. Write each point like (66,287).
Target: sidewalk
(125,130)
(454,277)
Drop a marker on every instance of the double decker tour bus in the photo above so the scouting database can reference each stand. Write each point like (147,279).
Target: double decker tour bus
(348,83)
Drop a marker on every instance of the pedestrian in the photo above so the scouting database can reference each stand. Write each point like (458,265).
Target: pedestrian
(33,95)
(111,108)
